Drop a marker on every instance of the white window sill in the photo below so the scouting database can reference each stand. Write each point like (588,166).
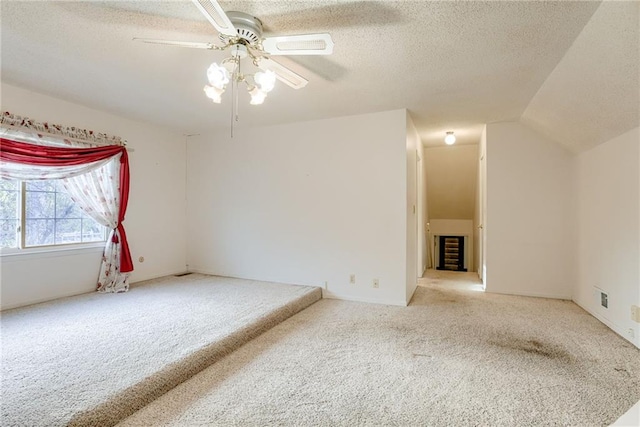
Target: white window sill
(61,250)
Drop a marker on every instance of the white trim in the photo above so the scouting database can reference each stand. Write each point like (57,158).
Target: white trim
(346,297)
(52,251)
(192,269)
(629,418)
(615,328)
(45,300)
(530,294)
(325,293)
(158,276)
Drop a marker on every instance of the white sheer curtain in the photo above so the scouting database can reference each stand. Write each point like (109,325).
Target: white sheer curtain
(30,172)
(97,193)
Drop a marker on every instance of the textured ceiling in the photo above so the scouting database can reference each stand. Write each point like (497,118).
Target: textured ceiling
(593,94)
(453,65)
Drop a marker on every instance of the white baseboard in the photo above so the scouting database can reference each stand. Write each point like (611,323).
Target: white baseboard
(609,324)
(630,418)
(530,294)
(211,273)
(48,299)
(347,297)
(157,275)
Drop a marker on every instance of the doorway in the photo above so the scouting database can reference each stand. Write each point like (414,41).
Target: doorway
(452,253)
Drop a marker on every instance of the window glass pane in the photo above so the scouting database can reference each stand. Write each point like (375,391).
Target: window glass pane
(9,233)
(9,213)
(92,231)
(39,232)
(68,231)
(40,204)
(9,185)
(51,217)
(66,208)
(47,185)
(9,204)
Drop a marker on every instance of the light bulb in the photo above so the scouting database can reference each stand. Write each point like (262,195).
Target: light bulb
(450,139)
(218,76)
(213,93)
(266,80)
(257,96)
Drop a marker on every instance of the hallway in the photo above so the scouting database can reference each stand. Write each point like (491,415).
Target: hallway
(467,281)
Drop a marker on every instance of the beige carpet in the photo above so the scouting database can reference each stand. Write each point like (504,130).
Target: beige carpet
(96,358)
(453,358)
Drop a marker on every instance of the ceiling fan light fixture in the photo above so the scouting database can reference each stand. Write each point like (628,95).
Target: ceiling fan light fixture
(230,64)
(214,93)
(218,76)
(257,96)
(266,80)
(450,138)
(239,51)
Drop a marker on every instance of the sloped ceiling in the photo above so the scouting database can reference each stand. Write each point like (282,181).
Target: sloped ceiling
(453,65)
(593,94)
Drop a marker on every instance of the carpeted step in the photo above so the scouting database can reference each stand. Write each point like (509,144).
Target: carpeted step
(134,398)
(123,381)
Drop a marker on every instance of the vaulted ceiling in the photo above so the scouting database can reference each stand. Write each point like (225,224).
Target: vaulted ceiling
(568,69)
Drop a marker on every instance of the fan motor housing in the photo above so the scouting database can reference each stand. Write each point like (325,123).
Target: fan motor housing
(249,27)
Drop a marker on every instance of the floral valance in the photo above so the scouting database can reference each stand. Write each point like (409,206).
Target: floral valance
(9,121)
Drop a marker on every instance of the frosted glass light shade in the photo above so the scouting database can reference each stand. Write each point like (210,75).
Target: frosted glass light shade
(266,80)
(218,76)
(450,139)
(214,93)
(257,96)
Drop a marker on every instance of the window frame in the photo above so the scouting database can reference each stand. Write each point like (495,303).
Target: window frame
(21,233)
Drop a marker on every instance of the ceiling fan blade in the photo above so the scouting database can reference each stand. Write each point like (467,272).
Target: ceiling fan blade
(214,14)
(283,74)
(194,45)
(303,44)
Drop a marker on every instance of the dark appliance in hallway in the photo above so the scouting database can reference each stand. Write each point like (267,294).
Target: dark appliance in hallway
(451,253)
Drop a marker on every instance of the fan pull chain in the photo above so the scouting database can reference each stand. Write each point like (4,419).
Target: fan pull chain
(232,101)
(237,91)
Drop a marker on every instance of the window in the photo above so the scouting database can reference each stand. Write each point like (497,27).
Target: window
(41,213)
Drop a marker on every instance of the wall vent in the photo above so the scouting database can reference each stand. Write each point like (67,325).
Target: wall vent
(604,300)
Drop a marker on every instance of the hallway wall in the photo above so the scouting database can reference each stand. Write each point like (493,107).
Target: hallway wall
(530,243)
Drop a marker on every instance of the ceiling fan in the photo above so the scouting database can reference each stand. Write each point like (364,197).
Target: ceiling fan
(242,35)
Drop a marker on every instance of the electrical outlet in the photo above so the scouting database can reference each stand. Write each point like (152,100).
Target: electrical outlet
(325,284)
(635,313)
(376,283)
(352,279)
(631,333)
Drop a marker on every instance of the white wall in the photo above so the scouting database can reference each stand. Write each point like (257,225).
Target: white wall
(477,215)
(608,221)
(155,220)
(530,242)
(482,208)
(304,203)
(423,250)
(451,176)
(426,220)
(412,143)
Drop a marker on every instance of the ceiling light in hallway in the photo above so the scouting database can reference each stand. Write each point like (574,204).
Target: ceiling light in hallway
(450,139)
